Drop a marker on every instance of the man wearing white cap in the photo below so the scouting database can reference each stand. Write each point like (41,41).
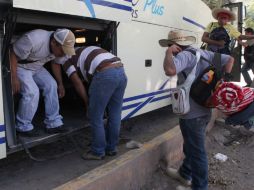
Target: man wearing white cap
(28,55)
(179,60)
(218,34)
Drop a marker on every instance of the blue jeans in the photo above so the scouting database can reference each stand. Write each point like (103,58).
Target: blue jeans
(246,67)
(106,91)
(195,165)
(31,82)
(242,117)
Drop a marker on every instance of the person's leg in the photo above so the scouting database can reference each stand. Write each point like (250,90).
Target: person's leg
(252,69)
(241,117)
(245,73)
(100,91)
(183,174)
(28,103)
(115,110)
(195,130)
(185,169)
(48,86)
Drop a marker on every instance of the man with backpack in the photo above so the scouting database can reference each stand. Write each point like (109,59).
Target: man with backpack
(180,60)
(218,34)
(248,57)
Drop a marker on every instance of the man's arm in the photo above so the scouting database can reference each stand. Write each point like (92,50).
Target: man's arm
(206,39)
(14,79)
(168,64)
(79,87)
(244,44)
(246,37)
(229,65)
(56,69)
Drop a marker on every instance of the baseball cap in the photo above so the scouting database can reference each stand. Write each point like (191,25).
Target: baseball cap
(67,39)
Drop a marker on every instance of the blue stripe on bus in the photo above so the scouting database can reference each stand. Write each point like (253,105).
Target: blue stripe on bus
(161,98)
(137,104)
(150,97)
(145,95)
(164,84)
(2,140)
(112,5)
(137,108)
(131,106)
(193,22)
(2,128)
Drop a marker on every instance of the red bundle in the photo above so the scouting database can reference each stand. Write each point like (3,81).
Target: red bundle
(231,98)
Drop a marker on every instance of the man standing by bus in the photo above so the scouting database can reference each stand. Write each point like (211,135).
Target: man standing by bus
(105,73)
(194,169)
(218,34)
(248,57)
(27,57)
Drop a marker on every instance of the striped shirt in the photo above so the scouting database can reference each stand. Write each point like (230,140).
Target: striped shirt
(86,60)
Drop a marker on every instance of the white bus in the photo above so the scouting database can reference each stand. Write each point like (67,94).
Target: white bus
(128,28)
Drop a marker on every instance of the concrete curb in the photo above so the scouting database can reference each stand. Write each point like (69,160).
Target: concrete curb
(131,170)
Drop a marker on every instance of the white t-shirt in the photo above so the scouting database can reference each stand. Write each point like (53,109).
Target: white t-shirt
(33,49)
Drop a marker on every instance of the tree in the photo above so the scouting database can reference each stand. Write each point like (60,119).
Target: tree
(249,20)
(213,3)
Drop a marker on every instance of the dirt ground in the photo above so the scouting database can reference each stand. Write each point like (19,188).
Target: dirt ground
(236,173)
(19,172)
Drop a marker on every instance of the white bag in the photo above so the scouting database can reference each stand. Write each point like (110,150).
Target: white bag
(180,95)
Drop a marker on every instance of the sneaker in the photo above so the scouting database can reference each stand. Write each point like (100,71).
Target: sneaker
(92,156)
(31,133)
(252,129)
(60,129)
(247,132)
(111,153)
(173,173)
(182,188)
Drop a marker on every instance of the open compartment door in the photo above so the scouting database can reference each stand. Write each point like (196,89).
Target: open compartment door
(2,123)
(236,51)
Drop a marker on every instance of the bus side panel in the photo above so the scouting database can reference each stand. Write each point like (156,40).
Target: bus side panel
(148,87)
(2,126)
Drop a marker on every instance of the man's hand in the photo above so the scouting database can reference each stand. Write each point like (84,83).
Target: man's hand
(61,91)
(221,43)
(15,85)
(174,49)
(168,64)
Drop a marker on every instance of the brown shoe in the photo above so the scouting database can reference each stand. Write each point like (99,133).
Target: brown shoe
(92,156)
(60,129)
(111,153)
(31,133)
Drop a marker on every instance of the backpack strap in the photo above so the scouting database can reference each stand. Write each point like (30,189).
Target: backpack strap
(217,61)
(201,57)
(194,53)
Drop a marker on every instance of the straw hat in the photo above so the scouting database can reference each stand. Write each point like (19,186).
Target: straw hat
(217,11)
(177,37)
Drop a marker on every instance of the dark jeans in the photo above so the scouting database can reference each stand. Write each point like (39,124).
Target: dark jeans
(242,117)
(195,165)
(106,91)
(246,67)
